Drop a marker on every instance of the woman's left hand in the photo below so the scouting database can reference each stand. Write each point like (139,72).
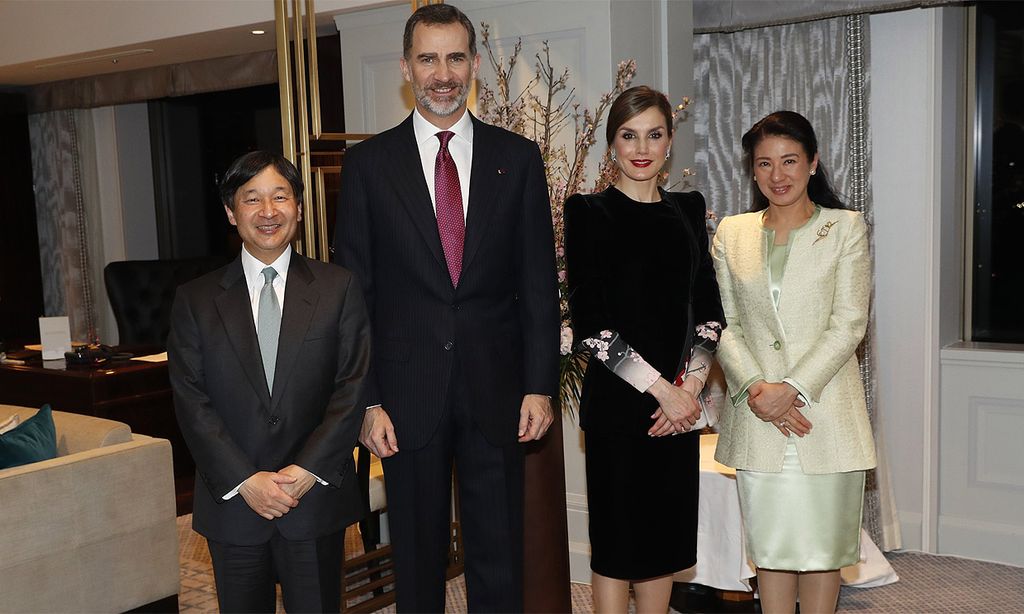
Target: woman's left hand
(677,412)
(662,425)
(770,402)
(793,422)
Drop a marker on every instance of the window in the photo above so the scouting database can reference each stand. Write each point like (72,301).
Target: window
(997,288)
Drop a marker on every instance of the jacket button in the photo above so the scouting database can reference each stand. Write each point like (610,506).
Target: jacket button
(777,345)
(448,346)
(274,419)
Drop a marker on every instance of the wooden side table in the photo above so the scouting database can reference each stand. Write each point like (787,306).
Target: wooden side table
(136,393)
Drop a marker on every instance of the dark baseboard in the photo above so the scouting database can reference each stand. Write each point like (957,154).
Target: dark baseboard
(688,598)
(161,606)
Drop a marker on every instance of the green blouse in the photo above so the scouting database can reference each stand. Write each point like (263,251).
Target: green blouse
(779,253)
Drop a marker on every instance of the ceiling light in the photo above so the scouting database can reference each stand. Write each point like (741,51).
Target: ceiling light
(259,32)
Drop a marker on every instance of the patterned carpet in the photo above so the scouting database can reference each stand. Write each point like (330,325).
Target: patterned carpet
(198,594)
(928,584)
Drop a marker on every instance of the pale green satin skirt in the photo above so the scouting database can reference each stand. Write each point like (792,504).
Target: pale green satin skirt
(799,522)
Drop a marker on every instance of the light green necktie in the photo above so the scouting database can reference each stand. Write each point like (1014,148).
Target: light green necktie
(268,327)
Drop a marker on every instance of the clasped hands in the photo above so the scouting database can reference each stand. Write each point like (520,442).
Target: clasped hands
(272,494)
(678,409)
(778,403)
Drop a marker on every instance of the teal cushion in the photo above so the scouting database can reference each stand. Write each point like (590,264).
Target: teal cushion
(33,440)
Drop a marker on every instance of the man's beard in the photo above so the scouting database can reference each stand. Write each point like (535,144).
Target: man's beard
(439,108)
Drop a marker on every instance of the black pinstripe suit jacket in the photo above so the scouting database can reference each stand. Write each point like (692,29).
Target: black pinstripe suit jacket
(500,325)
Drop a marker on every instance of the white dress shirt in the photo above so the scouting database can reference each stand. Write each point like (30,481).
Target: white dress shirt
(252,269)
(460,147)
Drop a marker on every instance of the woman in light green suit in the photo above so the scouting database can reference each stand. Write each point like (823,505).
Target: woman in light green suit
(795,277)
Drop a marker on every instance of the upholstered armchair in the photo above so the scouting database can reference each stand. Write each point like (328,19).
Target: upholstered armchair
(141,293)
(92,530)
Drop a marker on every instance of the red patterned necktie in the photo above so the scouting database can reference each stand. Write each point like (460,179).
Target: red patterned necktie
(448,198)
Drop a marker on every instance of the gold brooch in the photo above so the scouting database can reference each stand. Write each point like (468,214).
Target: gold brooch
(823,231)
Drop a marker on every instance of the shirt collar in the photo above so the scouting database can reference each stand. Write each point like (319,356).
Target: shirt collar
(252,267)
(424,130)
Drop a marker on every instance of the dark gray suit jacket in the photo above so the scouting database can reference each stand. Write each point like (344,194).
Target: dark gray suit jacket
(233,426)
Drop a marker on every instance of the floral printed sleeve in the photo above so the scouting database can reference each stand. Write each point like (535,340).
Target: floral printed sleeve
(613,351)
(609,348)
(705,344)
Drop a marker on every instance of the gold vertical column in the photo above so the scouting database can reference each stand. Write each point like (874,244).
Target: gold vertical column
(284,80)
(314,73)
(309,234)
(321,214)
(285,92)
(317,130)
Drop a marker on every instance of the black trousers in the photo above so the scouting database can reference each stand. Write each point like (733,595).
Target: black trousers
(309,572)
(490,481)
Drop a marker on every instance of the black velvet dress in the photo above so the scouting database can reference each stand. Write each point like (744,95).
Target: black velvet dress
(633,270)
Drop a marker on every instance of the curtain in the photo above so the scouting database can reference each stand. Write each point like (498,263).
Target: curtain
(231,72)
(817,69)
(61,221)
(733,15)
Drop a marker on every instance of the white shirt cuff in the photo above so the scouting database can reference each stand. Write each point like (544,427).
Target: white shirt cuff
(801,391)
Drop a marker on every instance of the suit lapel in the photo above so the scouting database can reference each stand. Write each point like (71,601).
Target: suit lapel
(299,306)
(236,315)
(412,188)
(482,186)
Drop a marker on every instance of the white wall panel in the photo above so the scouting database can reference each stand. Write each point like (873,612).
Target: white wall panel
(981,467)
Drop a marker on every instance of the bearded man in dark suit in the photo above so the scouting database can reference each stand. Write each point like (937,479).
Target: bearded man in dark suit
(446,222)
(267,356)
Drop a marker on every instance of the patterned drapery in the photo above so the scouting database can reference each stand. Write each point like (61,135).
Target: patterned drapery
(818,69)
(61,221)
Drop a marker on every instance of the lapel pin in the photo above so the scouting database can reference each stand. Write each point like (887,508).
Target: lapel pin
(502,171)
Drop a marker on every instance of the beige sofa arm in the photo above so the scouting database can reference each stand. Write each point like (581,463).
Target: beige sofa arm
(75,432)
(93,531)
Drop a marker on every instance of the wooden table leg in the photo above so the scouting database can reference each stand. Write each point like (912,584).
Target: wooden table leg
(546,535)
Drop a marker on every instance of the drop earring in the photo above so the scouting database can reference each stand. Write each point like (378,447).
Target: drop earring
(668,154)
(614,157)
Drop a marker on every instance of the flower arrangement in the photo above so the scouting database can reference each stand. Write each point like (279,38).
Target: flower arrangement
(541,111)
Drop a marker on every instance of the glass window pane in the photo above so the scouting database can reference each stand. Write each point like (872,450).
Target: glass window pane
(998,272)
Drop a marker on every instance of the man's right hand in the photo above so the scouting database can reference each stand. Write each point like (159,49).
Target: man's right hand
(378,434)
(263,493)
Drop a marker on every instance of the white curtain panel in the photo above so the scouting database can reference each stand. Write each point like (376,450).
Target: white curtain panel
(818,69)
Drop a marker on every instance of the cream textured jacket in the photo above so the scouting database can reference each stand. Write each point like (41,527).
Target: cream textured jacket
(811,339)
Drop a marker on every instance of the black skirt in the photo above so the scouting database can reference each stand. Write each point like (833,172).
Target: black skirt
(642,504)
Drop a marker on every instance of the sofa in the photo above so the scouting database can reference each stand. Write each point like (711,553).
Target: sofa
(92,530)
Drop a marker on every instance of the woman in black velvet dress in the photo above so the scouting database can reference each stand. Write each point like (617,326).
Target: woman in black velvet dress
(645,304)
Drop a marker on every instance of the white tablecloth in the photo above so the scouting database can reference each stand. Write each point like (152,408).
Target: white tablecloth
(721,559)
